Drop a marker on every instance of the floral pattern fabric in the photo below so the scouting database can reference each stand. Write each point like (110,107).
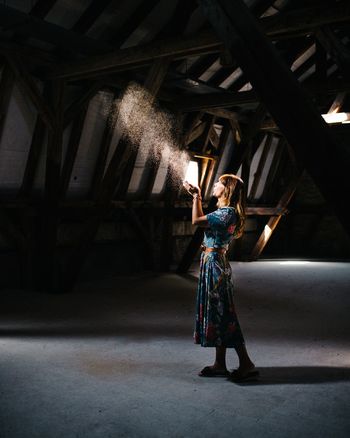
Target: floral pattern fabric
(216,322)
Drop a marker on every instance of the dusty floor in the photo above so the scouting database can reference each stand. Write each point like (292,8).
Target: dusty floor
(116,358)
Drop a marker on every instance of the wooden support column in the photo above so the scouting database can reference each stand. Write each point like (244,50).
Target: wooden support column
(49,279)
(281,93)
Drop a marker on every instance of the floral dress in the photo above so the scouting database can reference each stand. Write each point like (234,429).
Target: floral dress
(216,321)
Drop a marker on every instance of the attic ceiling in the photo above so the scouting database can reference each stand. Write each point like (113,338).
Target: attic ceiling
(63,60)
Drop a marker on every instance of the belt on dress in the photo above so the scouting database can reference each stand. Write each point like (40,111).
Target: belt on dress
(219,250)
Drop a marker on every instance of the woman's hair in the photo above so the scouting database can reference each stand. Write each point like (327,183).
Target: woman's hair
(233,197)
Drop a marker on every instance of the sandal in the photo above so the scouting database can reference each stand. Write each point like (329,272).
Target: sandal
(210,372)
(249,376)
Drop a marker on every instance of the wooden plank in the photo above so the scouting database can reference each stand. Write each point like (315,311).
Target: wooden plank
(300,123)
(302,21)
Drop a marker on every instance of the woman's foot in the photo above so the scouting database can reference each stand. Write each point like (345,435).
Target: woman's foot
(214,371)
(244,372)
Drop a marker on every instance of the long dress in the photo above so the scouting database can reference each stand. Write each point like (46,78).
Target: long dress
(216,322)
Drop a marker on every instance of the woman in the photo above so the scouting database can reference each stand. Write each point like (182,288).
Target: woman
(216,320)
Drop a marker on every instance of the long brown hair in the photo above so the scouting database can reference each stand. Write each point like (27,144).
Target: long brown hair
(233,197)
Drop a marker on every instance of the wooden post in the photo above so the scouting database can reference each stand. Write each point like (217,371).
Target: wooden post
(48,268)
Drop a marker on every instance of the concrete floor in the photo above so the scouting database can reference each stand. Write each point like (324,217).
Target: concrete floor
(116,358)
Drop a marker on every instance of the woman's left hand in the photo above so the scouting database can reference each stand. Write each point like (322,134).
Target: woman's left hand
(192,190)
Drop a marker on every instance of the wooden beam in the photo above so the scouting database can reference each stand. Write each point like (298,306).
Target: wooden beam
(11,232)
(305,21)
(29,88)
(72,149)
(78,105)
(180,208)
(273,221)
(223,113)
(105,144)
(301,124)
(261,165)
(227,99)
(36,146)
(42,8)
(48,280)
(132,22)
(32,26)
(335,47)
(90,15)
(6,87)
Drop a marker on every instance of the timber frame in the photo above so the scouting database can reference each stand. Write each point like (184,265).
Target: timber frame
(257,99)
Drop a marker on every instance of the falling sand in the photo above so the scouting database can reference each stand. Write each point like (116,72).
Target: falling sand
(151,129)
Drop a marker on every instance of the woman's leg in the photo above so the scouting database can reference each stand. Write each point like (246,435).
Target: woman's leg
(245,363)
(220,358)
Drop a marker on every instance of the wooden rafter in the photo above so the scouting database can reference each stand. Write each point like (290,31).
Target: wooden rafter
(206,42)
(90,15)
(42,8)
(260,168)
(32,26)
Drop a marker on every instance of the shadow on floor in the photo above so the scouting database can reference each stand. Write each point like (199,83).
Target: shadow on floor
(299,375)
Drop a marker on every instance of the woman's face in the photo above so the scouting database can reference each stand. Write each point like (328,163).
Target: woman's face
(218,189)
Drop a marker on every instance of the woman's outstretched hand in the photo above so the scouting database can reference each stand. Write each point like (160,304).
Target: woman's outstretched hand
(192,190)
